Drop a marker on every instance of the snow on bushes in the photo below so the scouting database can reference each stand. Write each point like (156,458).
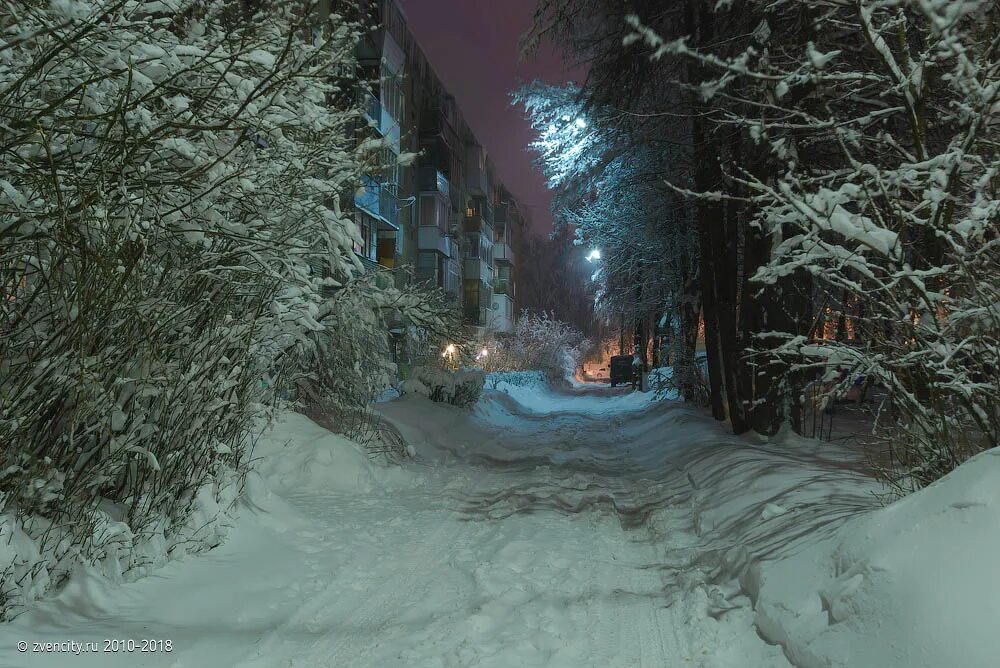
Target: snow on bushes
(515,378)
(459,388)
(37,554)
(172,255)
(539,342)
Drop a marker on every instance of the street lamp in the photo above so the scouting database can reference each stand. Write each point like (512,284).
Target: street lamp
(593,255)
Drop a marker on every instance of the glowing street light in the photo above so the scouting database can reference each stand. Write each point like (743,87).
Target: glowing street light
(593,255)
(450,350)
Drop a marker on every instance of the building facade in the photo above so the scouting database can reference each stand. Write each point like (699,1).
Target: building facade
(446,215)
(507,224)
(382,100)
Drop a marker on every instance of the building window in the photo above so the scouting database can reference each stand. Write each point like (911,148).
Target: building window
(471,294)
(392,93)
(453,277)
(434,211)
(366,226)
(427,267)
(428,212)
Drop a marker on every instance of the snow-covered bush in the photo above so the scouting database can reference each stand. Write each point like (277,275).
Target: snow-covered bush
(459,388)
(515,378)
(350,362)
(363,426)
(539,342)
(170,237)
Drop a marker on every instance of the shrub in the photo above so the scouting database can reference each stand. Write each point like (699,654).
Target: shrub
(459,388)
(539,342)
(167,257)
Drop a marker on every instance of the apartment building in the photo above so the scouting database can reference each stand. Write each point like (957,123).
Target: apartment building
(382,100)
(508,222)
(438,215)
(478,268)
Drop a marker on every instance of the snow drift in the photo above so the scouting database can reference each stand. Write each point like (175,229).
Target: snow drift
(913,584)
(300,455)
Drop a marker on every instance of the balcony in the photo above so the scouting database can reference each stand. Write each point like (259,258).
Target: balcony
(378,200)
(503,286)
(381,277)
(431,180)
(503,314)
(431,238)
(501,215)
(475,268)
(451,278)
(479,218)
(502,254)
(371,108)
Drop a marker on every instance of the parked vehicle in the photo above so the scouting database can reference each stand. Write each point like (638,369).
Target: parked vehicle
(622,370)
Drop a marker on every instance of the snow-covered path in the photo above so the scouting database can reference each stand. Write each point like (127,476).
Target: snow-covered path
(514,538)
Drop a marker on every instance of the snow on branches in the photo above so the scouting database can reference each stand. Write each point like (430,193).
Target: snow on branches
(881,186)
(172,251)
(610,188)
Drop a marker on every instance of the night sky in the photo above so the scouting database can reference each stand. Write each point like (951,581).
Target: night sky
(473,47)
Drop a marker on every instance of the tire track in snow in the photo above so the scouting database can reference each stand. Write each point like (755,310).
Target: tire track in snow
(553,484)
(381,608)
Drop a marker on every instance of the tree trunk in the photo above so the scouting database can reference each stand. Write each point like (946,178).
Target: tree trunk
(726,284)
(707,177)
(709,224)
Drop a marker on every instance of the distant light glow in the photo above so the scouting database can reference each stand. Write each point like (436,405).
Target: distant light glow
(580,123)
(482,353)
(449,350)
(594,255)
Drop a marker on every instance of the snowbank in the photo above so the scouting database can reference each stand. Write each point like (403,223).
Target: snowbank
(435,432)
(298,454)
(836,579)
(35,555)
(533,393)
(913,584)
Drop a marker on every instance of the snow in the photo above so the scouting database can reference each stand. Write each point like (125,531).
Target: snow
(460,388)
(539,399)
(577,526)
(912,584)
(301,456)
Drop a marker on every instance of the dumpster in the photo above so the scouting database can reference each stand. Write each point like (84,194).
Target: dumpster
(621,370)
